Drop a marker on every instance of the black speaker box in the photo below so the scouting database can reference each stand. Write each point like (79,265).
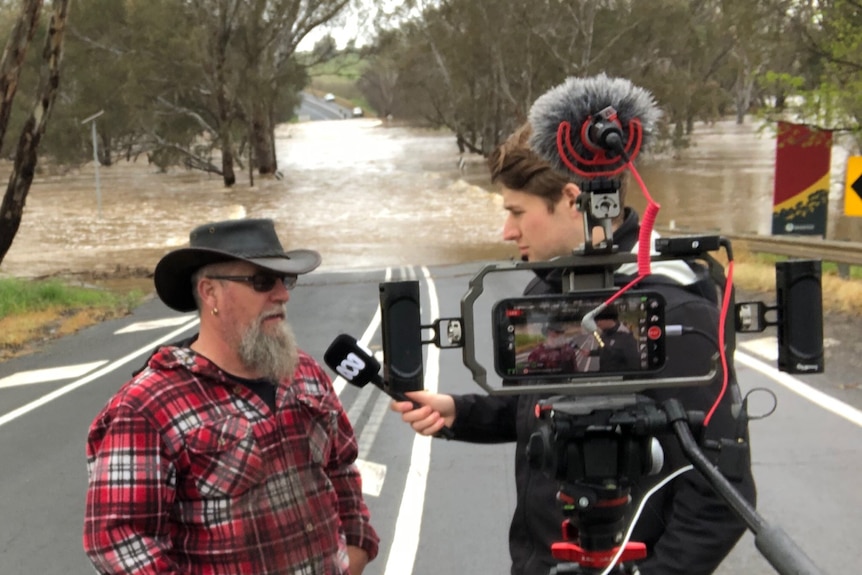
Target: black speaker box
(799,301)
(402,336)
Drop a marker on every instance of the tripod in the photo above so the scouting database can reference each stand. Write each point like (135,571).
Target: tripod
(597,447)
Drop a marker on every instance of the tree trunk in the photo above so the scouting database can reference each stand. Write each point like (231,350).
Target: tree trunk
(107,158)
(12,209)
(13,57)
(225,117)
(227,172)
(263,143)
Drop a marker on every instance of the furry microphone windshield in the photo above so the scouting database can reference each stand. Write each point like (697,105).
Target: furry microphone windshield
(591,127)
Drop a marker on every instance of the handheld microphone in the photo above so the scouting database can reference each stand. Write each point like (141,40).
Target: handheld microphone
(592,127)
(358,366)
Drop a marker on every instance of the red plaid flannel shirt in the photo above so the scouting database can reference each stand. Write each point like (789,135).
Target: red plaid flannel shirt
(190,472)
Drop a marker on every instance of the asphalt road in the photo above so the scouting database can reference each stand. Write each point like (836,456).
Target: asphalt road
(313,108)
(440,507)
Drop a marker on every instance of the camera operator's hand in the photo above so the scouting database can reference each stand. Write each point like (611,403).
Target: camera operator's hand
(435,411)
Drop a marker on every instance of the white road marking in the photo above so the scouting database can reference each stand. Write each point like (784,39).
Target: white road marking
(765,347)
(815,396)
(340,382)
(49,374)
(154,324)
(402,554)
(362,399)
(24,409)
(373,475)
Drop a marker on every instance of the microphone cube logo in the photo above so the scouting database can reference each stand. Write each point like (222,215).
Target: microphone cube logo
(350,366)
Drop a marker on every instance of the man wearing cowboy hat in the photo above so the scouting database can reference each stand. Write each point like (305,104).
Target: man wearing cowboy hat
(557,353)
(231,454)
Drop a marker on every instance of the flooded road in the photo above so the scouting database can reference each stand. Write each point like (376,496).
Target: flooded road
(368,195)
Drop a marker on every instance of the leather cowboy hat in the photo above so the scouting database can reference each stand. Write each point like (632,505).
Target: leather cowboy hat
(555,326)
(252,240)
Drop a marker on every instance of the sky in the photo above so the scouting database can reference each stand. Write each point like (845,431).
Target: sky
(356,22)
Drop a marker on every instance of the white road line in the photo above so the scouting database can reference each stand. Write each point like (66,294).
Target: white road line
(24,409)
(765,347)
(154,324)
(49,374)
(402,554)
(373,474)
(340,382)
(362,399)
(375,420)
(815,396)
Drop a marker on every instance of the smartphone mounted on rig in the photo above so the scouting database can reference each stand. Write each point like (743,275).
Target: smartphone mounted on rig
(544,337)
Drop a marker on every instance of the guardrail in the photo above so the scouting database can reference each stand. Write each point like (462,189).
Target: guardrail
(844,254)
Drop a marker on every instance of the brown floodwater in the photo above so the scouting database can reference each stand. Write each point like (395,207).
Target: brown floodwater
(366,194)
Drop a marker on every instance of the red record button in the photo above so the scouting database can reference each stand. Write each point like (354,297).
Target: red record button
(654,332)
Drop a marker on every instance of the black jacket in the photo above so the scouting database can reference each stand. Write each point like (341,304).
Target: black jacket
(687,527)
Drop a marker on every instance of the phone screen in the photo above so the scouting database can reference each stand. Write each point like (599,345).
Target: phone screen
(543,337)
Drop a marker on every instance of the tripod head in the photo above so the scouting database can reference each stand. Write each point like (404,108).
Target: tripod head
(597,447)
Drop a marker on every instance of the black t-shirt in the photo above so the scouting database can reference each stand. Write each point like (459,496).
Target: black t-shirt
(264,388)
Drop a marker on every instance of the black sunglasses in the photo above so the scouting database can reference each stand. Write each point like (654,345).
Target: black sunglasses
(261,282)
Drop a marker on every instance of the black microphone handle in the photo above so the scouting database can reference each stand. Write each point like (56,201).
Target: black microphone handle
(445,432)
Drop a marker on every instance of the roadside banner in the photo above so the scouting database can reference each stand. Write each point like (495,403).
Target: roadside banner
(853,187)
(802,163)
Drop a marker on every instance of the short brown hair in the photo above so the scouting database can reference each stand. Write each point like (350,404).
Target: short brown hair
(516,166)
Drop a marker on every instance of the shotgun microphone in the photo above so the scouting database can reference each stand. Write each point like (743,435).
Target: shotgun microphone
(592,127)
(358,366)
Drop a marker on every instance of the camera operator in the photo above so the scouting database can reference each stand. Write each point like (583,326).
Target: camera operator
(619,350)
(687,527)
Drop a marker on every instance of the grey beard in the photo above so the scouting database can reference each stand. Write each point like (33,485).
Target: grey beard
(274,356)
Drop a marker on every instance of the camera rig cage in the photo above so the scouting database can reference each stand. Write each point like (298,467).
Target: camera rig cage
(797,317)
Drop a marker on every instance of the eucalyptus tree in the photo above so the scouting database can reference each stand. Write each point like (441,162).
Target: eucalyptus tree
(193,82)
(145,63)
(476,66)
(26,152)
(21,28)
(472,66)
(829,89)
(268,33)
(379,81)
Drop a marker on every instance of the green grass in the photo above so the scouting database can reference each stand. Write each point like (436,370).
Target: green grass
(828,268)
(18,296)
